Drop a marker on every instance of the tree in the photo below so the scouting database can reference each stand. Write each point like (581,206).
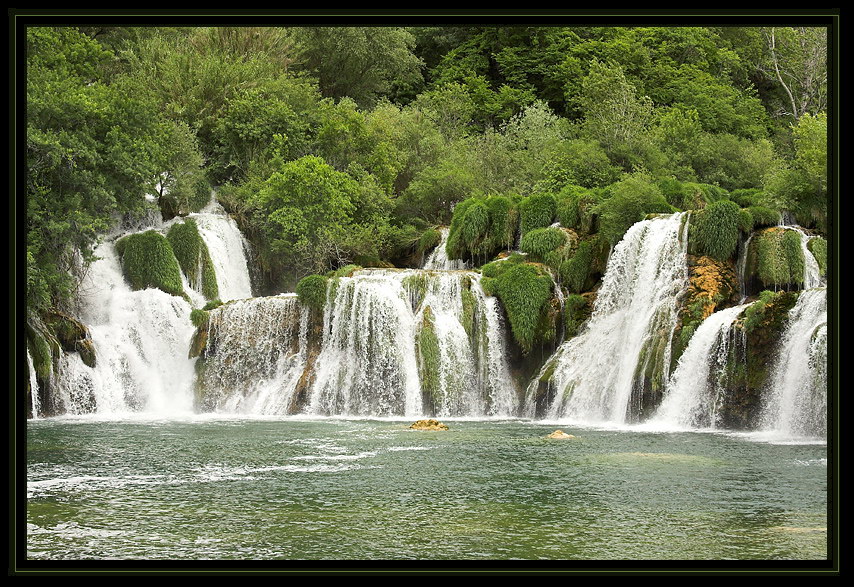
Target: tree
(796,58)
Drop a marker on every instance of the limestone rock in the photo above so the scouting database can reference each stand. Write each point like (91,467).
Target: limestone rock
(560,434)
(428,425)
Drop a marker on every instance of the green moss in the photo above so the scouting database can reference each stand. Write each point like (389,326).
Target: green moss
(756,312)
(416,286)
(193,257)
(575,310)
(818,247)
(537,211)
(524,292)
(778,258)
(745,221)
(469,304)
(43,348)
(763,216)
(345,271)
(148,261)
(540,241)
(430,238)
(746,197)
(716,230)
(427,348)
(199,317)
(311,291)
(212,304)
(574,271)
(791,244)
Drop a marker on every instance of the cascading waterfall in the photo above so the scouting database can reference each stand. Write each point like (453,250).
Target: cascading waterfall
(438,258)
(227,247)
(34,386)
(595,372)
(695,391)
(260,349)
(389,334)
(741,269)
(796,403)
(141,340)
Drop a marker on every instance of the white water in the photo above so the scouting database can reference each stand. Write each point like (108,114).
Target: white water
(34,386)
(141,340)
(596,370)
(812,273)
(260,355)
(796,402)
(369,363)
(227,247)
(438,258)
(694,393)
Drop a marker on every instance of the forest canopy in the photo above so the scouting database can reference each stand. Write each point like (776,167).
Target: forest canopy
(339,145)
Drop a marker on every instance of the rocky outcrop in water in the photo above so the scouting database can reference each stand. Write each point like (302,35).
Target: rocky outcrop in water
(428,424)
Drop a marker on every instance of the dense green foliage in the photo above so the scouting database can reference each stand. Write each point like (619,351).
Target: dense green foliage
(716,229)
(148,261)
(541,241)
(341,145)
(818,247)
(630,201)
(524,291)
(193,257)
(779,257)
(312,291)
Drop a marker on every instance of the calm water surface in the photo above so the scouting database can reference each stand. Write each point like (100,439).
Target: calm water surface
(213,488)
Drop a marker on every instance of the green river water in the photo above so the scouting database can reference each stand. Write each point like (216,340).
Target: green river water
(308,489)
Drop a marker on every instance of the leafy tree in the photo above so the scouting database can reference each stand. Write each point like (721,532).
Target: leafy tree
(362,63)
(796,58)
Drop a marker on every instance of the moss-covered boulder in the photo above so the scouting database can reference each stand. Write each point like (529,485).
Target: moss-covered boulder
(311,291)
(149,261)
(427,351)
(72,335)
(775,258)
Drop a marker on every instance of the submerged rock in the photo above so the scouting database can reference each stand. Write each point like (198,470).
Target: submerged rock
(428,425)
(560,434)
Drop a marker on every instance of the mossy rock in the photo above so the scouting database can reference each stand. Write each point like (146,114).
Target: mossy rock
(193,257)
(68,331)
(776,258)
(818,247)
(427,351)
(86,349)
(148,261)
(428,424)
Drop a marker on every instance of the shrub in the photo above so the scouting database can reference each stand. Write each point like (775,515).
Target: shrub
(524,292)
(537,211)
(192,255)
(630,201)
(481,227)
(311,291)
(430,238)
(212,304)
(717,229)
(199,317)
(779,257)
(763,216)
(540,241)
(576,312)
(148,261)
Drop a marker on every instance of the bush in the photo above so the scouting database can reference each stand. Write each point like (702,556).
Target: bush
(481,227)
(524,292)
(430,238)
(212,304)
(791,244)
(576,312)
(630,201)
(716,229)
(148,261)
(763,216)
(199,317)
(540,241)
(537,211)
(311,291)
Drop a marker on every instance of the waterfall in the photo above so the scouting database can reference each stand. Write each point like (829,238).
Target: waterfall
(695,391)
(141,340)
(396,341)
(227,247)
(34,386)
(635,313)
(796,403)
(741,269)
(438,259)
(257,350)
